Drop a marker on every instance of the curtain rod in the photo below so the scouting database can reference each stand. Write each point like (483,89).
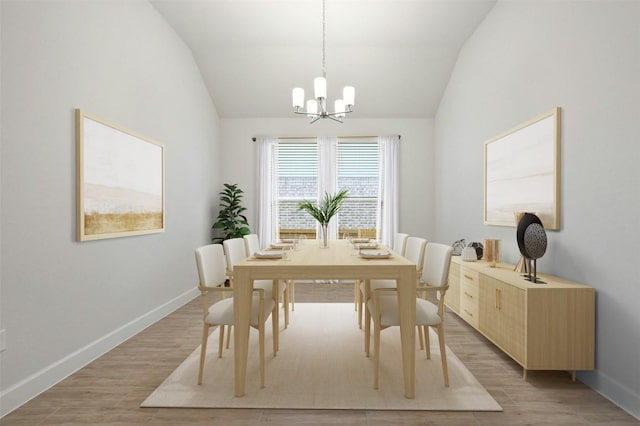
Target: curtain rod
(281,138)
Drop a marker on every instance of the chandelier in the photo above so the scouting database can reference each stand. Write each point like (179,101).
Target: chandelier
(317,108)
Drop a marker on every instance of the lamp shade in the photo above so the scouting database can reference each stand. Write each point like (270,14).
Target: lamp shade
(349,95)
(320,87)
(312,107)
(298,97)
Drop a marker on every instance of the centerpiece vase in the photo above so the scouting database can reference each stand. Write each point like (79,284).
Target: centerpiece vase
(324,241)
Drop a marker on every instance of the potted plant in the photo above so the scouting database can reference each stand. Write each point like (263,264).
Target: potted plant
(231,222)
(328,207)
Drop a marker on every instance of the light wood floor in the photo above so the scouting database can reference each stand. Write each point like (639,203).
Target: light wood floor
(110,390)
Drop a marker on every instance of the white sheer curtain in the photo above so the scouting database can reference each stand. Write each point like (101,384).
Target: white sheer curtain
(388,189)
(267,189)
(327,172)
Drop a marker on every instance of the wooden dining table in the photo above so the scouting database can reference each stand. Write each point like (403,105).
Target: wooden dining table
(340,261)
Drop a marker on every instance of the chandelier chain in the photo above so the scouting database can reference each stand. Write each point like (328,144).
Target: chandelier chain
(324,68)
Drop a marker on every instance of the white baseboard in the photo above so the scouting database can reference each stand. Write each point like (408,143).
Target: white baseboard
(32,386)
(619,394)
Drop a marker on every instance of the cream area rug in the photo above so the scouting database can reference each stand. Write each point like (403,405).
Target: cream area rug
(322,365)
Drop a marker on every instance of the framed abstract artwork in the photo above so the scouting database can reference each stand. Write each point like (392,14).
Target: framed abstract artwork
(119,181)
(522,172)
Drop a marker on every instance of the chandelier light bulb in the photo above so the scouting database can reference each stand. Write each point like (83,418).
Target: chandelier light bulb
(298,97)
(312,108)
(349,95)
(320,87)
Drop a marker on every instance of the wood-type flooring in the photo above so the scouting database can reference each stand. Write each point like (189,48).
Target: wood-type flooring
(109,390)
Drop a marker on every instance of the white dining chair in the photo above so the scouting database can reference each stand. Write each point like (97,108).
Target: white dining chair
(210,261)
(383,306)
(252,245)
(414,252)
(399,247)
(235,252)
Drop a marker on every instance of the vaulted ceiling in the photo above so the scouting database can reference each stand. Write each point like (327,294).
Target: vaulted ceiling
(398,54)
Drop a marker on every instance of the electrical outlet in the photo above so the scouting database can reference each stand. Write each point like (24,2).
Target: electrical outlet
(3,340)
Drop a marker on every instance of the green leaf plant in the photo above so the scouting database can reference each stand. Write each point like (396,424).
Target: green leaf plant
(231,222)
(328,207)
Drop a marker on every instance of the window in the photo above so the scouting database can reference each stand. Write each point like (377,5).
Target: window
(297,177)
(356,168)
(358,171)
(292,170)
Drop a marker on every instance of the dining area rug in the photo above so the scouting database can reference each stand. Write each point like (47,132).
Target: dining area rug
(321,364)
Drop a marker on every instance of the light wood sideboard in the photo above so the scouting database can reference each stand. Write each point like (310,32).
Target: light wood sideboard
(541,326)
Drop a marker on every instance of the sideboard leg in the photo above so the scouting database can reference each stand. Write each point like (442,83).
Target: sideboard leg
(524,374)
(573,375)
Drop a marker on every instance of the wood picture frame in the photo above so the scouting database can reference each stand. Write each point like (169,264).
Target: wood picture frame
(120,187)
(522,172)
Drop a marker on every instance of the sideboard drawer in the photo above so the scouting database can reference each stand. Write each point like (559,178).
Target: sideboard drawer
(469,302)
(469,276)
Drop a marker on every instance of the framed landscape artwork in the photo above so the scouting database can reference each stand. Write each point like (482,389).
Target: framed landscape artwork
(522,172)
(119,181)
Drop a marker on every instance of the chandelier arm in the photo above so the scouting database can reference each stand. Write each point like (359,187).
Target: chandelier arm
(324,114)
(338,112)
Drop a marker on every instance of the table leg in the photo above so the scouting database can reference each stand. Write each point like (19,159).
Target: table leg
(242,286)
(407,309)
(367,317)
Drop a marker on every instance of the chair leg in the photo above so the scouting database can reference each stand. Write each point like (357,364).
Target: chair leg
(285,305)
(364,289)
(276,309)
(291,284)
(221,339)
(356,291)
(367,331)
(203,351)
(425,330)
(443,354)
(261,344)
(276,334)
(420,338)
(228,336)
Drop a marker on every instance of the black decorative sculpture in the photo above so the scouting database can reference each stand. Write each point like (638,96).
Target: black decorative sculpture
(479,248)
(532,242)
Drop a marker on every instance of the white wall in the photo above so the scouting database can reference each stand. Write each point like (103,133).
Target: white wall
(416,160)
(584,56)
(64,302)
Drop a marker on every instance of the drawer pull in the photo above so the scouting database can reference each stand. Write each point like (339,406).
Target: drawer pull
(468,277)
(468,295)
(468,313)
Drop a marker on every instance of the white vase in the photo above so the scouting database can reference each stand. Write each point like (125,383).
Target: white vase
(469,254)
